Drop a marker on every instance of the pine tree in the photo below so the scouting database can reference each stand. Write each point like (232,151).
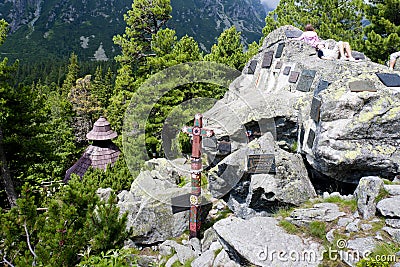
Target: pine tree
(333,19)
(72,75)
(228,50)
(383,32)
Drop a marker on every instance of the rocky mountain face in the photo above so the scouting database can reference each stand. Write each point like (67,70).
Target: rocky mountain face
(56,28)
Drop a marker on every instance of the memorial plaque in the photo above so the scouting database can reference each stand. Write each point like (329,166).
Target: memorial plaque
(294,75)
(182,203)
(306,80)
(224,148)
(286,70)
(279,50)
(252,67)
(267,60)
(278,65)
(322,85)
(261,163)
(362,85)
(311,137)
(315,109)
(293,33)
(389,79)
(358,55)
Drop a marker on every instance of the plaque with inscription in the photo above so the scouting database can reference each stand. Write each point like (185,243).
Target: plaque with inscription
(286,70)
(389,79)
(294,75)
(267,60)
(209,142)
(293,33)
(315,109)
(358,55)
(306,80)
(362,85)
(261,163)
(224,148)
(252,67)
(182,203)
(311,137)
(279,50)
(278,64)
(322,85)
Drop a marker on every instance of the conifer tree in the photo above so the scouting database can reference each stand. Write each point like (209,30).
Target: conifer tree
(72,75)
(383,32)
(333,19)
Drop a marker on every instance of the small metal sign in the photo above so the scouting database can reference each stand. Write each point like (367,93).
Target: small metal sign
(261,163)
(311,138)
(293,33)
(286,70)
(362,85)
(224,147)
(389,79)
(294,75)
(252,67)
(267,60)
(279,50)
(322,85)
(183,202)
(315,109)
(278,64)
(306,80)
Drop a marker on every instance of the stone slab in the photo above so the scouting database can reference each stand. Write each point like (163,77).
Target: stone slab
(362,85)
(322,85)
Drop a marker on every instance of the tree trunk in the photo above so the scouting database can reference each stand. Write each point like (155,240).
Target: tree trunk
(5,175)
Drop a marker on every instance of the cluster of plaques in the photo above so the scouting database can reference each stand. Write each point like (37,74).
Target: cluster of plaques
(261,163)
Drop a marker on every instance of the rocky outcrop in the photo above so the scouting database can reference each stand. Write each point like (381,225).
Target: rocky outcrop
(338,114)
(249,194)
(366,193)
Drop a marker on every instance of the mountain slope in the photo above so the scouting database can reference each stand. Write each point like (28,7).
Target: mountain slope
(54,29)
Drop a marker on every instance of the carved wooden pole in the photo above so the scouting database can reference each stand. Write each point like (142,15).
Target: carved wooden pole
(197,132)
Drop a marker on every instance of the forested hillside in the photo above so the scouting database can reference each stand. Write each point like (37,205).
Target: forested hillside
(45,110)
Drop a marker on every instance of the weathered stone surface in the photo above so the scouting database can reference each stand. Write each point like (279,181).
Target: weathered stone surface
(148,205)
(222,259)
(205,260)
(366,192)
(256,194)
(393,190)
(395,223)
(104,193)
(326,212)
(253,241)
(394,233)
(389,207)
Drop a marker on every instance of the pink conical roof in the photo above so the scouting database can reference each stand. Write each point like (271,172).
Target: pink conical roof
(101,131)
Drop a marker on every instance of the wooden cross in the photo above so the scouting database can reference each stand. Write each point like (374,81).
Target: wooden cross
(197,132)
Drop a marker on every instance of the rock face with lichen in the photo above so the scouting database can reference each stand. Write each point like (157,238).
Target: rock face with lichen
(336,113)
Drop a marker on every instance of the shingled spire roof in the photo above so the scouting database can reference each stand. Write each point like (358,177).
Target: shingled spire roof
(101,130)
(100,154)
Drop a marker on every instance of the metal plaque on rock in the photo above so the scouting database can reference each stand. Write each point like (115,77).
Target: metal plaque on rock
(286,70)
(279,50)
(278,64)
(293,33)
(252,67)
(182,202)
(389,79)
(267,60)
(294,75)
(209,142)
(322,85)
(315,109)
(224,148)
(362,85)
(261,163)
(311,137)
(306,80)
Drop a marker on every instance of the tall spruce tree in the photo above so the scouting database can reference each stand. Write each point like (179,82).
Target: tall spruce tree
(333,19)
(383,32)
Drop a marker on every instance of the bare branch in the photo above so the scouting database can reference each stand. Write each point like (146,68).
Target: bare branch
(7,262)
(29,244)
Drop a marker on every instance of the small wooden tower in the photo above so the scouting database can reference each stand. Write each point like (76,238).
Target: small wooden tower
(101,153)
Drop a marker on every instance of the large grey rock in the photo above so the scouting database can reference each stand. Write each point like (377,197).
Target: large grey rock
(393,190)
(258,240)
(358,132)
(258,194)
(326,212)
(394,233)
(366,192)
(148,204)
(395,223)
(389,207)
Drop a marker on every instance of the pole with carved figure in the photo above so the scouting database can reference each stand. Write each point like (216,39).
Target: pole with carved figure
(197,133)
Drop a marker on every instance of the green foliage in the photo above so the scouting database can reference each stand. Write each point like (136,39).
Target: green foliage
(75,220)
(111,258)
(384,254)
(228,50)
(383,32)
(332,19)
(289,227)
(318,229)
